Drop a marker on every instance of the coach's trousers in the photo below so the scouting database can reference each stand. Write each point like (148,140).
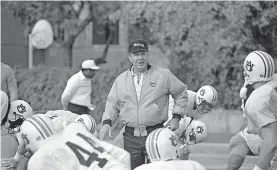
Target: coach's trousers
(136,147)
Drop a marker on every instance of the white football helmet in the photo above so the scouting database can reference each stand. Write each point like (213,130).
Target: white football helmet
(4,104)
(195,133)
(206,99)
(35,130)
(88,121)
(258,66)
(19,111)
(162,144)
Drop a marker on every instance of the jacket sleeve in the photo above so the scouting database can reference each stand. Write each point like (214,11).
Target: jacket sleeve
(178,91)
(112,108)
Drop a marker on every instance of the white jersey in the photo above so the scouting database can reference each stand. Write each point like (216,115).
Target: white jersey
(253,142)
(75,148)
(172,165)
(61,118)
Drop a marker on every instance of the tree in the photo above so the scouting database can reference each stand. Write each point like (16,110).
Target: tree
(207,41)
(68,18)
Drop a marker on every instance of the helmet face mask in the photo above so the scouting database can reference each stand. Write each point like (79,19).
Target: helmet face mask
(19,111)
(206,99)
(15,124)
(204,107)
(195,133)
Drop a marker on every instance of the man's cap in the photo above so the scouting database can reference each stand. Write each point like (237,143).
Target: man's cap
(138,45)
(90,64)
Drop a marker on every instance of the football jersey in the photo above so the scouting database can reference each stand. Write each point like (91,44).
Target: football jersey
(261,108)
(61,118)
(75,148)
(172,165)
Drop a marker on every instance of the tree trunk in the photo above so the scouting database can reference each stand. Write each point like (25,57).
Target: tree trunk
(67,57)
(102,59)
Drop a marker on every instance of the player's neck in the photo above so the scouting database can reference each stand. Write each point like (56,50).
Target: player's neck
(257,84)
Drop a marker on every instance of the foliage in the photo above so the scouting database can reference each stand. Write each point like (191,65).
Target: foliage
(207,41)
(43,86)
(68,18)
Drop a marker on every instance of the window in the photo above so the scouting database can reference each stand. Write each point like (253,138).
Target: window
(100,33)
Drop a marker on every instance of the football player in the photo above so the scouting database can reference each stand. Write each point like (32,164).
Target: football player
(260,108)
(61,119)
(244,143)
(162,147)
(16,112)
(73,148)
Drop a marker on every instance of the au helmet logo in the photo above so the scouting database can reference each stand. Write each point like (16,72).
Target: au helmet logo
(21,109)
(199,129)
(202,92)
(174,140)
(81,120)
(249,66)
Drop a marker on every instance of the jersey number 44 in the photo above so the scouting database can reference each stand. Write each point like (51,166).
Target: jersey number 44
(92,156)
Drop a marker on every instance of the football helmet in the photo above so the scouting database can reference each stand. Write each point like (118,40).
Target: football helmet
(4,104)
(88,121)
(195,133)
(206,99)
(19,111)
(162,144)
(258,66)
(35,130)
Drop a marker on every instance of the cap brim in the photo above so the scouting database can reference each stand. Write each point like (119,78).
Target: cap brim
(139,50)
(92,68)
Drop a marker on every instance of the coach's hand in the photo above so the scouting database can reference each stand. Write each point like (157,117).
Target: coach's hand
(9,163)
(103,131)
(173,124)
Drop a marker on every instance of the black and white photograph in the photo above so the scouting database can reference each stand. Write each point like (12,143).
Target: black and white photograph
(138,85)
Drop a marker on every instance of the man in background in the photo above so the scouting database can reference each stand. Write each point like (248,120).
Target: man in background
(76,96)
(8,82)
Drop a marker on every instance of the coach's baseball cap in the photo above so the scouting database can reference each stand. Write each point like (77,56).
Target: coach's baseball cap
(90,64)
(138,45)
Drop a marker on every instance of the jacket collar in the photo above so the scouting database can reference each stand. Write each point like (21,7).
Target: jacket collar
(148,67)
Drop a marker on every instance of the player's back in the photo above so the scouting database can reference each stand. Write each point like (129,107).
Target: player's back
(172,165)
(74,148)
(61,118)
(261,108)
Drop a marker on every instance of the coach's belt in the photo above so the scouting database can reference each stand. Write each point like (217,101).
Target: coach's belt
(142,131)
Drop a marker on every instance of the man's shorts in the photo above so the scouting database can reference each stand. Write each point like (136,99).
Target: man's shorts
(238,146)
